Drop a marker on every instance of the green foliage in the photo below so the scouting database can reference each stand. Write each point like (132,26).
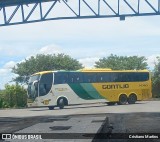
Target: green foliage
(1,98)
(13,96)
(156,79)
(115,62)
(44,63)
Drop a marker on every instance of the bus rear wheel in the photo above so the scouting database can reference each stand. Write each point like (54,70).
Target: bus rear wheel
(60,103)
(122,99)
(132,99)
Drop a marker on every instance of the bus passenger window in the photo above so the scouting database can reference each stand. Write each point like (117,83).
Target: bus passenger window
(89,77)
(60,78)
(75,77)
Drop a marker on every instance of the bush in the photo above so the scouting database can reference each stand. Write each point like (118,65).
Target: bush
(13,96)
(1,98)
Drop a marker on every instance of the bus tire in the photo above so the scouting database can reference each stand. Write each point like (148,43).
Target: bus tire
(65,101)
(111,103)
(51,107)
(122,99)
(132,99)
(61,103)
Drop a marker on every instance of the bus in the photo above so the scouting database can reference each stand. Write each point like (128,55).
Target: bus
(62,88)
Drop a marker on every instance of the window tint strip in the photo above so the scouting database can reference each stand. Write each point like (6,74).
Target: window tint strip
(99,77)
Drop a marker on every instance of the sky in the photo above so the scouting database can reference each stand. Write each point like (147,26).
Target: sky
(86,40)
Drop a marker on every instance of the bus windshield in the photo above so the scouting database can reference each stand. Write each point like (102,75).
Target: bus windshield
(32,84)
(33,78)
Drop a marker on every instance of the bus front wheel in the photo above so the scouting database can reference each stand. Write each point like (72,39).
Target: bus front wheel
(132,99)
(60,103)
(122,99)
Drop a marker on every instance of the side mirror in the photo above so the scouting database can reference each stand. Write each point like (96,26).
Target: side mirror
(35,83)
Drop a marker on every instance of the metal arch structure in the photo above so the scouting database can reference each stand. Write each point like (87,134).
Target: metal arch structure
(135,8)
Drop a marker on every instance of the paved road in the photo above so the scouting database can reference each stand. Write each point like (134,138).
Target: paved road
(142,117)
(96,108)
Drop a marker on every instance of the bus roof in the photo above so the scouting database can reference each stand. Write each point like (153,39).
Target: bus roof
(95,70)
(90,70)
(109,70)
(42,72)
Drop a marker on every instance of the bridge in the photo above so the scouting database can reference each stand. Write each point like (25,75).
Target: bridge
(13,12)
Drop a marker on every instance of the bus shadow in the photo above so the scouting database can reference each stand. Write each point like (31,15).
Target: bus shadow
(75,107)
(92,105)
(100,105)
(40,109)
(69,107)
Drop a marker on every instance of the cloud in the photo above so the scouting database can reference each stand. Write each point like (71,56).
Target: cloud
(88,62)
(16,50)
(6,75)
(6,69)
(4,72)
(9,65)
(152,60)
(50,49)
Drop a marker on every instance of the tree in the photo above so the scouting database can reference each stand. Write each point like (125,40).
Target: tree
(115,62)
(156,79)
(44,63)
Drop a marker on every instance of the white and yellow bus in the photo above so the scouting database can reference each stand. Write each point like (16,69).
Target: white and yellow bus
(60,88)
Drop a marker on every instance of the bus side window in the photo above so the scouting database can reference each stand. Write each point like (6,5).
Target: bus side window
(146,76)
(79,78)
(72,80)
(136,77)
(75,77)
(61,78)
(89,77)
(127,77)
(100,77)
(92,77)
(143,76)
(108,77)
(114,77)
(64,78)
